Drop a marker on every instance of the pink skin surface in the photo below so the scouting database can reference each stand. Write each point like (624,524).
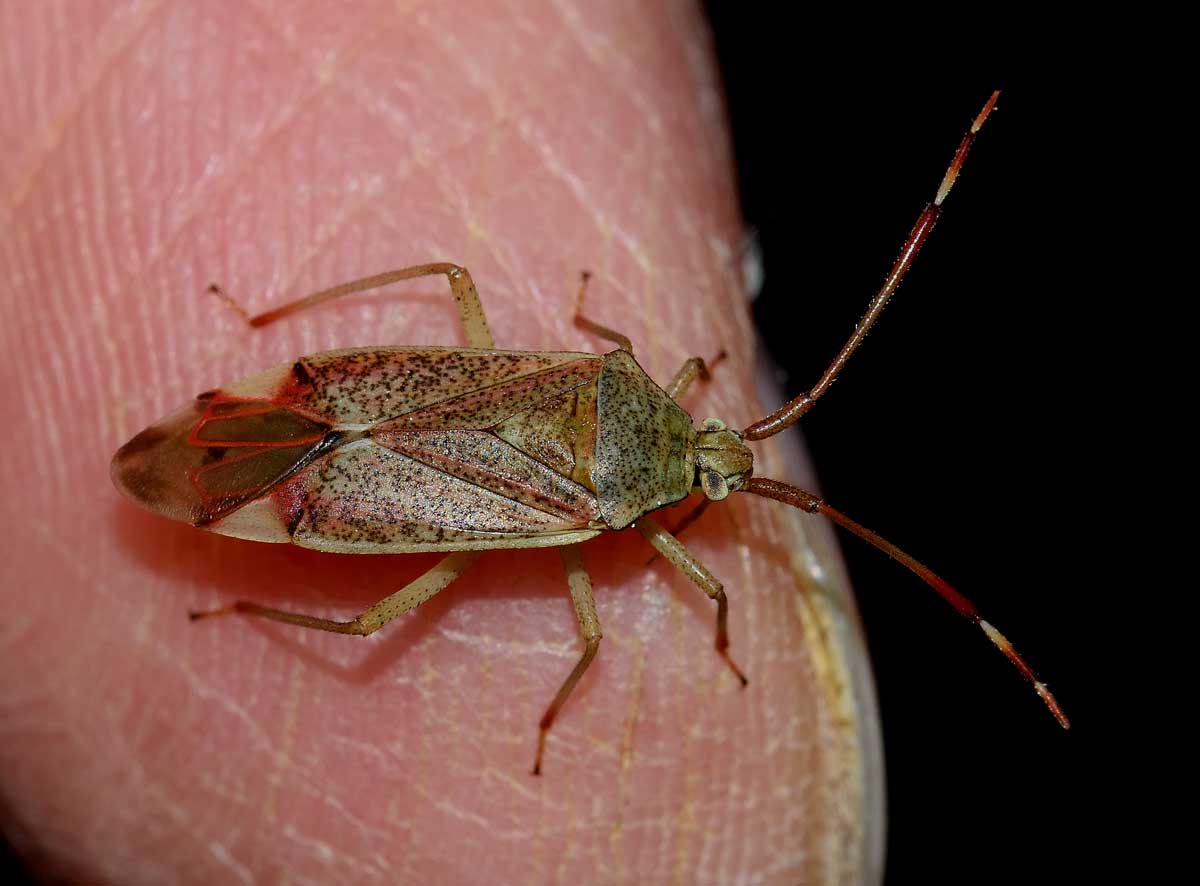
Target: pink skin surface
(153,148)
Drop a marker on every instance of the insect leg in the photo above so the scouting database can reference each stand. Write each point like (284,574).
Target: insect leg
(369,620)
(692,369)
(466,297)
(589,626)
(621,341)
(670,547)
(687,520)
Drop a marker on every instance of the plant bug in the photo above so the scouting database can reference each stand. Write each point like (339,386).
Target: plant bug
(462,450)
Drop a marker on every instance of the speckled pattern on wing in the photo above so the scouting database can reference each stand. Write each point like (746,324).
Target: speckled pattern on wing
(488,407)
(485,460)
(367,496)
(547,432)
(644,443)
(368,385)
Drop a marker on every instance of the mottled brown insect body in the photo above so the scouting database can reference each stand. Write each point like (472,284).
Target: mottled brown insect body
(460,450)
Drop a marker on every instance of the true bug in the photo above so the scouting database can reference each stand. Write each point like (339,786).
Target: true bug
(461,450)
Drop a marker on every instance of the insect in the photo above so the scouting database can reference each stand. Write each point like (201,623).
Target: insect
(462,450)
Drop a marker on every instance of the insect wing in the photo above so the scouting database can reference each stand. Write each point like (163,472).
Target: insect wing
(216,454)
(368,497)
(425,387)
(375,450)
(449,468)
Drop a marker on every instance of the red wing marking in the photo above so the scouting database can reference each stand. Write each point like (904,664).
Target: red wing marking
(214,455)
(258,423)
(248,447)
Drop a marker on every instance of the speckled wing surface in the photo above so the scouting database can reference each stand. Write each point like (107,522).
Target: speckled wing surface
(384,450)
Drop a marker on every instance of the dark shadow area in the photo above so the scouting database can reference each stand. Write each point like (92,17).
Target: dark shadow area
(12,869)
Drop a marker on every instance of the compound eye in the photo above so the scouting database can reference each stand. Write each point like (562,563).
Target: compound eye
(714,485)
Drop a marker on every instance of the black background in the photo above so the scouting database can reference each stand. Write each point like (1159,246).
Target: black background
(955,431)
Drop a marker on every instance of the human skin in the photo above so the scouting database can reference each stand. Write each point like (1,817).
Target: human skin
(154,148)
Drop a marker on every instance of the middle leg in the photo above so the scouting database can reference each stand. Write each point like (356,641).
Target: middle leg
(621,341)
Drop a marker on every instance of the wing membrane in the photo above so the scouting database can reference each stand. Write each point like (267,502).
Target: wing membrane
(216,454)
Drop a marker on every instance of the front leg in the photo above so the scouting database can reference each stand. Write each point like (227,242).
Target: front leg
(670,547)
(693,368)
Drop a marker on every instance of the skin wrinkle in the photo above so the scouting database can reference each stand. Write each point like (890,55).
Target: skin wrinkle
(305,844)
(533,136)
(286,744)
(323,75)
(49,453)
(57,124)
(229,171)
(124,212)
(95,181)
(221,854)
(205,691)
(60,322)
(18,257)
